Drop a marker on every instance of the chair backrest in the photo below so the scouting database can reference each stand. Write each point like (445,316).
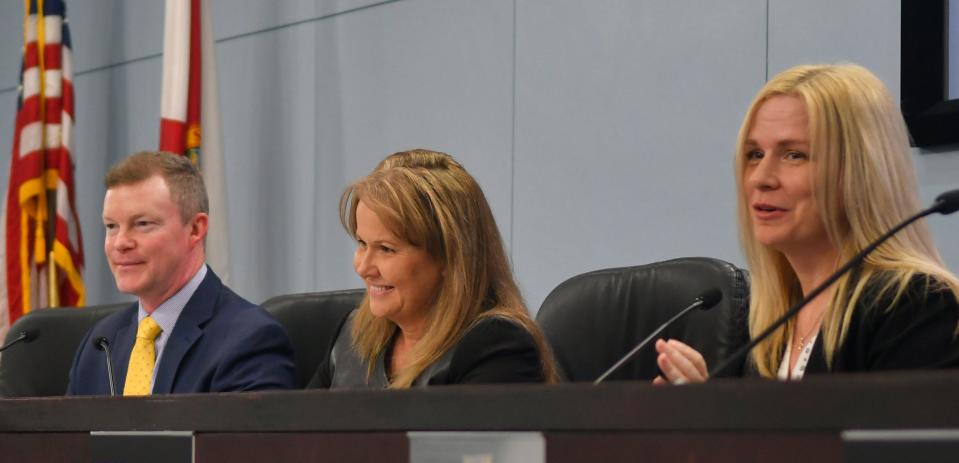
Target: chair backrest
(41,367)
(313,320)
(593,319)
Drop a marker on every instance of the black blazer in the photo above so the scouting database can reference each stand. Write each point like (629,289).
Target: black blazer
(918,332)
(494,350)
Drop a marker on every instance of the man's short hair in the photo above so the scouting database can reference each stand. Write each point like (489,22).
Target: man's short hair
(181,176)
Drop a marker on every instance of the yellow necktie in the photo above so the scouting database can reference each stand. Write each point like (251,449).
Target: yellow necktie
(142,359)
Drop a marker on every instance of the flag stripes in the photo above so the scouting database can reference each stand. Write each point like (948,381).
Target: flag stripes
(40,215)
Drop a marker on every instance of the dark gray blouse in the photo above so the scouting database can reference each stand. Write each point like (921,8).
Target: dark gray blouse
(494,350)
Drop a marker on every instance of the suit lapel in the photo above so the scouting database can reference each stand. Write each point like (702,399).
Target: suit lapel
(187,330)
(122,347)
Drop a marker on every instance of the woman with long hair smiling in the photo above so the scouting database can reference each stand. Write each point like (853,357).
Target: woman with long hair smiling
(823,168)
(441,305)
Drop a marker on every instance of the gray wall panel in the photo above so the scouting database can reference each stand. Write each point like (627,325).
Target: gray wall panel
(426,74)
(236,17)
(11,23)
(112,32)
(333,263)
(444,84)
(865,32)
(626,115)
(267,102)
(938,171)
(8,104)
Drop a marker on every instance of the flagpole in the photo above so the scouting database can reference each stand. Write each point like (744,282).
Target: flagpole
(53,289)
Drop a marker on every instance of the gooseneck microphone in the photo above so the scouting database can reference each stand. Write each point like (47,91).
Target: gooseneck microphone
(102,343)
(24,336)
(945,204)
(705,301)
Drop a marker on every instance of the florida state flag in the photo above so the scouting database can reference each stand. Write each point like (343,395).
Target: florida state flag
(189,112)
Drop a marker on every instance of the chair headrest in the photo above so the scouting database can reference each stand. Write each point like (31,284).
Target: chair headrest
(592,319)
(312,320)
(56,335)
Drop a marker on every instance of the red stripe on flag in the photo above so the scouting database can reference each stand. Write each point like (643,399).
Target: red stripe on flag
(52,58)
(172,136)
(59,159)
(29,111)
(54,112)
(24,168)
(30,57)
(14,272)
(194,88)
(68,98)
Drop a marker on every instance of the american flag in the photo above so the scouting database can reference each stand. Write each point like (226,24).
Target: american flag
(41,218)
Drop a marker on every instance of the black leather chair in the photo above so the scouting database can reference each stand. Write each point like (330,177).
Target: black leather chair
(313,320)
(593,319)
(41,367)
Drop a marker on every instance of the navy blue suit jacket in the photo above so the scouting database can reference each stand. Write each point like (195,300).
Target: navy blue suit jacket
(220,342)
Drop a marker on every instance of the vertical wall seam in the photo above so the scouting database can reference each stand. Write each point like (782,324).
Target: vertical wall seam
(315,219)
(766,75)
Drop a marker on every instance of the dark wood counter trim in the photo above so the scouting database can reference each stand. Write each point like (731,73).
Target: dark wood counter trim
(900,401)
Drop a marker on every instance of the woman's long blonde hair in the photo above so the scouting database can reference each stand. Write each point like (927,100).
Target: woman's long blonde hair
(427,199)
(863,185)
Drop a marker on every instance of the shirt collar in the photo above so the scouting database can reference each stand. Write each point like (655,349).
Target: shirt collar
(167,313)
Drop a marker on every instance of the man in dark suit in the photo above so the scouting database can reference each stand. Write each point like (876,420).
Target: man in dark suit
(187,332)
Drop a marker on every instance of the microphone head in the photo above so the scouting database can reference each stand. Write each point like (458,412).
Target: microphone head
(101,341)
(948,202)
(28,336)
(710,298)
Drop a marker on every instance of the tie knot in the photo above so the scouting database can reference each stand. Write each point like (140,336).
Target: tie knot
(148,329)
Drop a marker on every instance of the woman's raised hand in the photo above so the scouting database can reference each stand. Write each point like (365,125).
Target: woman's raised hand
(679,363)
